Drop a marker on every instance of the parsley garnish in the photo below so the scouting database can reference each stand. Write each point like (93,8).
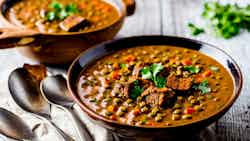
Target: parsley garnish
(151,73)
(60,12)
(203,87)
(71,8)
(56,5)
(195,30)
(192,69)
(50,16)
(227,20)
(161,82)
(123,66)
(136,91)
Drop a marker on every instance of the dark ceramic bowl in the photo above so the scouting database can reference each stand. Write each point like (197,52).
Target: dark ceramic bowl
(123,130)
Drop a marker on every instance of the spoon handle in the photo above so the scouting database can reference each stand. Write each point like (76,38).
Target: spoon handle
(61,132)
(5,138)
(80,127)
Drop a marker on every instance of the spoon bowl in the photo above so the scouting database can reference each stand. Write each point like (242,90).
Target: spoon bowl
(55,91)
(25,90)
(13,126)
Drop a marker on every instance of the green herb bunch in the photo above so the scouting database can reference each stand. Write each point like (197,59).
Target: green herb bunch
(151,73)
(227,20)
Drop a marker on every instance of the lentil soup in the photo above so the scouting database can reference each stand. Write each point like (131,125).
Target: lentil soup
(62,16)
(155,86)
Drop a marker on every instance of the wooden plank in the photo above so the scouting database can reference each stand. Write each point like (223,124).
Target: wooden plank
(235,124)
(145,21)
(168,17)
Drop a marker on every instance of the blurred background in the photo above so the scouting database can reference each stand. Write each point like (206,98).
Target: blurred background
(164,17)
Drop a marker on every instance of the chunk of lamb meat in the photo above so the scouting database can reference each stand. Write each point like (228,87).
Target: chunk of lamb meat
(181,84)
(119,90)
(160,97)
(165,71)
(73,23)
(128,87)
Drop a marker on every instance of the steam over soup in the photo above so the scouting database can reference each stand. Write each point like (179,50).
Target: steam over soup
(155,86)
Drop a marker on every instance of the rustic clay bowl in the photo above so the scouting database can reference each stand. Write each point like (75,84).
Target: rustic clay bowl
(127,131)
(53,48)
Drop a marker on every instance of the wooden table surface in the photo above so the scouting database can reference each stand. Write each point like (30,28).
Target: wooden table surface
(170,17)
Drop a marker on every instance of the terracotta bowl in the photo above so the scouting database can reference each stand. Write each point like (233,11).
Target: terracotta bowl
(127,131)
(53,48)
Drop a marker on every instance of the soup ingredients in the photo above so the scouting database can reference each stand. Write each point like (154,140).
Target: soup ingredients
(136,90)
(59,12)
(73,23)
(203,87)
(192,69)
(62,16)
(155,86)
(151,73)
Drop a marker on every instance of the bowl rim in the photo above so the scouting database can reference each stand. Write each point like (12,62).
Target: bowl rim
(8,23)
(91,113)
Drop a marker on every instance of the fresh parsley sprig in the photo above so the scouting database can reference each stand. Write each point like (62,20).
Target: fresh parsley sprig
(151,73)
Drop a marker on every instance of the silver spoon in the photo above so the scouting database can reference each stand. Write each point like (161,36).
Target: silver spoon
(25,91)
(54,89)
(14,127)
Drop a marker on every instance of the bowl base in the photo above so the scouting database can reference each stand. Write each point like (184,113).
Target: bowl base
(208,134)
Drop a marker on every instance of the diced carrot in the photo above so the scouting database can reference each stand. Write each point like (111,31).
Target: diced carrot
(106,82)
(116,66)
(207,73)
(136,112)
(186,62)
(199,78)
(113,117)
(150,123)
(175,60)
(116,74)
(95,2)
(95,19)
(106,9)
(83,5)
(189,110)
(129,58)
(172,61)
(99,7)
(112,108)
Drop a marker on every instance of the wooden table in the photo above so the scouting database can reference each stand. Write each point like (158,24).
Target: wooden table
(165,17)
